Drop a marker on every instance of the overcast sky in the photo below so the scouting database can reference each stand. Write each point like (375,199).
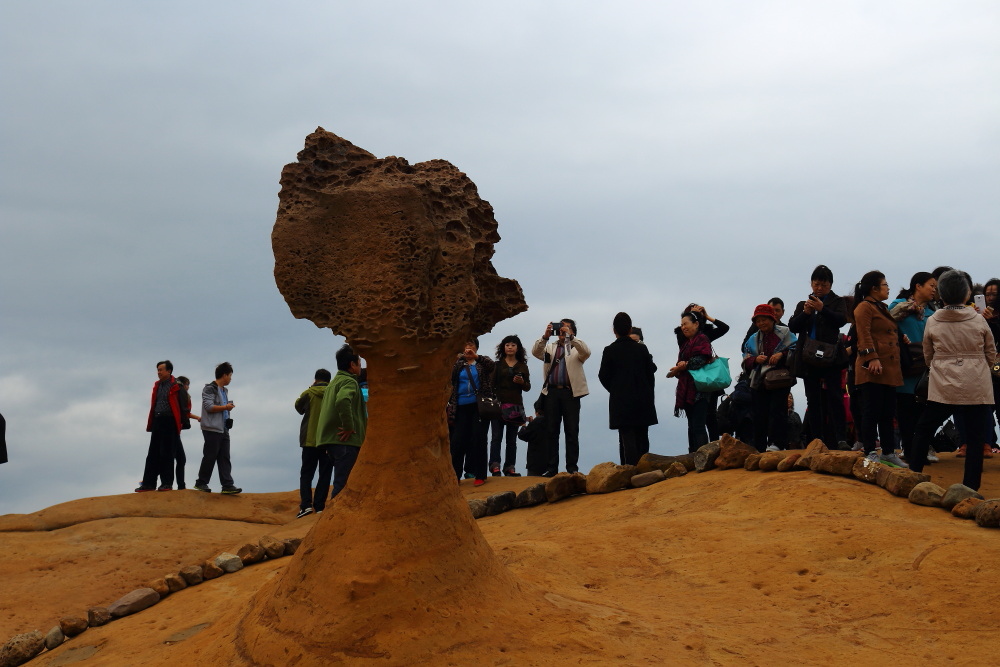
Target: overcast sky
(639,156)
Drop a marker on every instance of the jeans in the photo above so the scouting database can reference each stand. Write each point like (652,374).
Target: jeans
(500,428)
(468,441)
(313,458)
(770,418)
(696,416)
(344,458)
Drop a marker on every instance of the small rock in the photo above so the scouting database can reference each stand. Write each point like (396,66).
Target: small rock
(676,469)
(882,474)
(650,462)
(175,582)
(98,616)
(928,494)
(560,486)
(251,553)
(865,470)
(704,458)
(292,545)
(752,462)
(73,625)
(788,463)
(130,603)
(19,649)
(812,449)
(835,463)
(231,562)
(901,481)
(531,496)
(55,637)
(987,514)
(209,570)
(478,508)
(608,477)
(274,548)
(733,453)
(579,482)
(956,493)
(770,460)
(192,574)
(160,586)
(647,478)
(966,509)
(499,503)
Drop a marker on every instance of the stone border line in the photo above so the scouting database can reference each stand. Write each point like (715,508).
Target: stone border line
(22,648)
(723,454)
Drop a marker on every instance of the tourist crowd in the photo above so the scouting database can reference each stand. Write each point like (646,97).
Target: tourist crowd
(880,376)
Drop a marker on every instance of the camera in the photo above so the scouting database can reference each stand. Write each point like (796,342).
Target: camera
(556,326)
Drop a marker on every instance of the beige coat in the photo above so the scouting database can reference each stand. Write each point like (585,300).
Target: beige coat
(877,332)
(959,350)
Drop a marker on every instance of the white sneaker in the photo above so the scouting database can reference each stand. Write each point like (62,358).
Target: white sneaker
(932,456)
(894,460)
(858,447)
(773,448)
(873,456)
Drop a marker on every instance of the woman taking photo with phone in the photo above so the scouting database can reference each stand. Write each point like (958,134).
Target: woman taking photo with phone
(877,372)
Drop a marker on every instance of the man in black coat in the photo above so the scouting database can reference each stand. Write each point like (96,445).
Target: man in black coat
(628,373)
(820,317)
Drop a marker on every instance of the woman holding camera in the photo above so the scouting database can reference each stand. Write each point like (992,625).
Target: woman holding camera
(471,377)
(959,350)
(877,371)
(510,381)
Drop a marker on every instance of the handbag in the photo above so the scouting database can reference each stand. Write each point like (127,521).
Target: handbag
(488,406)
(713,376)
(778,378)
(512,413)
(818,354)
(923,386)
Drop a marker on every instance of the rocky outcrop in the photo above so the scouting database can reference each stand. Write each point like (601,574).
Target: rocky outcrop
(926,493)
(647,478)
(499,503)
(733,453)
(531,496)
(704,458)
(608,477)
(21,648)
(130,603)
(956,493)
(650,462)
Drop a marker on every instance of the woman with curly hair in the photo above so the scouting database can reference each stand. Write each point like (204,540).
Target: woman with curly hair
(510,381)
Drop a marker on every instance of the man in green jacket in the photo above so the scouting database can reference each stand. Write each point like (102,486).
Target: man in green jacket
(309,404)
(342,418)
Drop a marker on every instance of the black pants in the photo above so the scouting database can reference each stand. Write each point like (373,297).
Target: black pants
(712,417)
(770,418)
(825,406)
(632,444)
(216,451)
(907,413)
(468,441)
(562,406)
(344,458)
(498,429)
(878,405)
(933,416)
(313,458)
(696,416)
(160,458)
(180,458)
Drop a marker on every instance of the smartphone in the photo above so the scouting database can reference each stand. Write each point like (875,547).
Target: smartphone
(980,301)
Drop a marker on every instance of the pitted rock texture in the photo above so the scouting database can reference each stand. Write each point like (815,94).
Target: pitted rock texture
(423,225)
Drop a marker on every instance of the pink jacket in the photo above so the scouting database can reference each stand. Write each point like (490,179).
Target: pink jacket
(959,350)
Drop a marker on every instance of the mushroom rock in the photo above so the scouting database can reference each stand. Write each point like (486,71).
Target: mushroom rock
(396,258)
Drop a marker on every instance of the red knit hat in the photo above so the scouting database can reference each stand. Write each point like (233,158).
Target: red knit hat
(764,309)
